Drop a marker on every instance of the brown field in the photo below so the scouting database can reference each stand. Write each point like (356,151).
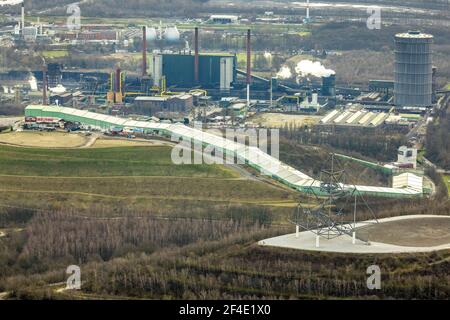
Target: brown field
(424,232)
(278,120)
(43,139)
(110,143)
(9,121)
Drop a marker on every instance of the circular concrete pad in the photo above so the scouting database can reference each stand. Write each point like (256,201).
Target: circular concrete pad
(406,234)
(425,232)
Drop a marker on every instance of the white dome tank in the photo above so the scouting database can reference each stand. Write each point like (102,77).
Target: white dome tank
(151,33)
(172,34)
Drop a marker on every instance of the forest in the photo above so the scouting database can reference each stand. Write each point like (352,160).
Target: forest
(197,259)
(438,139)
(376,144)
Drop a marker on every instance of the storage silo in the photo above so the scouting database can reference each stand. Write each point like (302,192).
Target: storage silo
(329,85)
(413,69)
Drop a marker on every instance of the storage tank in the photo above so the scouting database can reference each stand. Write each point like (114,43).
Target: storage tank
(413,69)
(329,85)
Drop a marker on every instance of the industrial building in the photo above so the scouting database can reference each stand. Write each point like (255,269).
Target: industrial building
(407,156)
(329,85)
(413,69)
(354,117)
(223,19)
(384,86)
(408,180)
(150,105)
(252,156)
(90,36)
(179,70)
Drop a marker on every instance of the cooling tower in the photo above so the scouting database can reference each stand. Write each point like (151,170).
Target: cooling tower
(413,69)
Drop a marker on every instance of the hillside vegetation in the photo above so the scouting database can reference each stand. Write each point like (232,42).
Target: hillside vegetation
(142,227)
(109,181)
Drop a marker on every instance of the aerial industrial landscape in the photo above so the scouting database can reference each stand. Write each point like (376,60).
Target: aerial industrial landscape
(224,150)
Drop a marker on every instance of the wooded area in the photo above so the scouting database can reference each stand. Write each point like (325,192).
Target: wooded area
(438,139)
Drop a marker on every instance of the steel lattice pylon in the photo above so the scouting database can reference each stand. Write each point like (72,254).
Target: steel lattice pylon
(328,214)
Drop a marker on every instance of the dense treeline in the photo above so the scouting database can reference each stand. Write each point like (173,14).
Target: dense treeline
(56,235)
(11,109)
(139,256)
(147,8)
(376,144)
(312,160)
(217,270)
(52,239)
(438,140)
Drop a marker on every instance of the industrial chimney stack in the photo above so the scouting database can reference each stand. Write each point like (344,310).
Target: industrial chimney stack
(249,65)
(196,55)
(307,10)
(23,17)
(44,85)
(144,51)
(118,87)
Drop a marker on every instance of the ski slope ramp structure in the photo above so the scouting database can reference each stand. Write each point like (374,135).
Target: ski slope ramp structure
(252,156)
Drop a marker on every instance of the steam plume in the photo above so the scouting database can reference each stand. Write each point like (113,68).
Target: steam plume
(309,68)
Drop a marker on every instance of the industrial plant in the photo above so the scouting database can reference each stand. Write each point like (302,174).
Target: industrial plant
(225,150)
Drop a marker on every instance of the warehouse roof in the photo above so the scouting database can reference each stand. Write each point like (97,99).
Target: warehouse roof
(252,155)
(153,98)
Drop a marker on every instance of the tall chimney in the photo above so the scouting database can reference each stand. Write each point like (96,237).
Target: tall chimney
(44,85)
(118,87)
(249,57)
(249,65)
(144,51)
(23,15)
(307,9)
(196,54)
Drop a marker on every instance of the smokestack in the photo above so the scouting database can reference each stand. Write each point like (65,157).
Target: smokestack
(196,53)
(144,51)
(118,87)
(44,85)
(249,65)
(307,9)
(23,15)
(249,57)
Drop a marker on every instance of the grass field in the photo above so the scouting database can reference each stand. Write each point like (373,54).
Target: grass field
(53,54)
(111,180)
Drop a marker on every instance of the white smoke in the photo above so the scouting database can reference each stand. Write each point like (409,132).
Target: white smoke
(312,68)
(284,73)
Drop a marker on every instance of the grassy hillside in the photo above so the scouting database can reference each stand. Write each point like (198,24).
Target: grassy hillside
(109,181)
